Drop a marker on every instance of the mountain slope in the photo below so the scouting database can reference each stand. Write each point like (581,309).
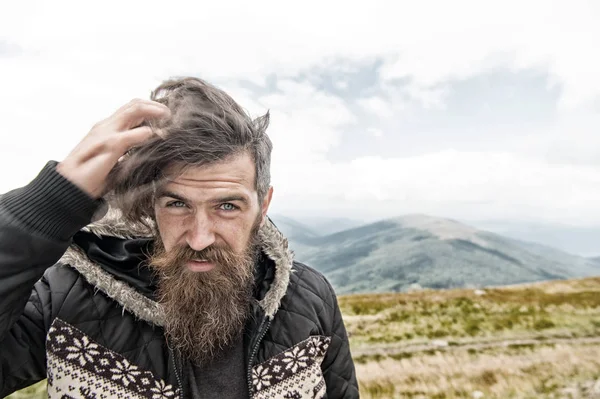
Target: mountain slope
(325,225)
(393,254)
(294,230)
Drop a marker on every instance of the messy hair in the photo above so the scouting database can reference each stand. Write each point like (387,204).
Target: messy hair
(207,126)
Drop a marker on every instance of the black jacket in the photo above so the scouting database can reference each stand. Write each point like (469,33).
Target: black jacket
(77,307)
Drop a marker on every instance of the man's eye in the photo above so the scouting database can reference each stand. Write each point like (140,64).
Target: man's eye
(175,204)
(228,207)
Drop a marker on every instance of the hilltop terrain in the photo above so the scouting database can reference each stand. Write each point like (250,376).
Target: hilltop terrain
(529,341)
(395,255)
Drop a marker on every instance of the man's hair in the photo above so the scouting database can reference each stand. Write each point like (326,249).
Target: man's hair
(207,126)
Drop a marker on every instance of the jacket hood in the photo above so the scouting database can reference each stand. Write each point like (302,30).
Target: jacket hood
(109,254)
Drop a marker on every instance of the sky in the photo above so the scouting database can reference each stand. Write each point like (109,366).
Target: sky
(484,111)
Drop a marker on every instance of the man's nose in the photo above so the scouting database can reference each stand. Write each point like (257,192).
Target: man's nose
(201,234)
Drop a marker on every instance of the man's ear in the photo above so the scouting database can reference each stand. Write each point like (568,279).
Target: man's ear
(265,205)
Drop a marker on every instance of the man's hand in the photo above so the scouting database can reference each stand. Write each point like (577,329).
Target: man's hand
(89,164)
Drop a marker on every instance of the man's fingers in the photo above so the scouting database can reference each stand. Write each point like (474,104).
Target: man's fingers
(136,111)
(140,112)
(125,106)
(135,136)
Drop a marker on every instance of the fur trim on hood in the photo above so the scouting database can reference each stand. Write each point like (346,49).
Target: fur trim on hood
(272,241)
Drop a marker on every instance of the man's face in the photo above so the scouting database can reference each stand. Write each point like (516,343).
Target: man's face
(208,218)
(214,205)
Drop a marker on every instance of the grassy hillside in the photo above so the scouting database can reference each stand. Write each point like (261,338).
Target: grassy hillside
(529,341)
(37,391)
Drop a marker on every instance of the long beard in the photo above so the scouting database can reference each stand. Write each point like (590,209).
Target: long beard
(205,312)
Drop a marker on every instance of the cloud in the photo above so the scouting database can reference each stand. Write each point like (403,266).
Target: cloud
(305,122)
(379,82)
(429,42)
(459,184)
(8,49)
(378,106)
(375,132)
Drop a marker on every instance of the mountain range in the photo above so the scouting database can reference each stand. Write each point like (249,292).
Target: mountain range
(421,251)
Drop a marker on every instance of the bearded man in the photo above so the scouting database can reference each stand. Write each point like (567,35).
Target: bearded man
(144,265)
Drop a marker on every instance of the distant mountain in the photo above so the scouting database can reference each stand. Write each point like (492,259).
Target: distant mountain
(294,230)
(312,227)
(325,226)
(393,254)
(300,236)
(573,239)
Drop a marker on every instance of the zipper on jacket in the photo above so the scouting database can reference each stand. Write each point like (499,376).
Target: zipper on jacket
(177,373)
(264,327)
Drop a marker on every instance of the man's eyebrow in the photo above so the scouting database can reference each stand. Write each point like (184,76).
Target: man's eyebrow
(166,193)
(231,198)
(220,200)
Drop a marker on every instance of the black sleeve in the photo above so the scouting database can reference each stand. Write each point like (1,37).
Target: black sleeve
(338,366)
(36,225)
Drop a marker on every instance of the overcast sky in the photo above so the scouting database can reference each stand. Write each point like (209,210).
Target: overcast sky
(478,110)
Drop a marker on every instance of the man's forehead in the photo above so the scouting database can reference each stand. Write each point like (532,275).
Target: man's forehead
(235,171)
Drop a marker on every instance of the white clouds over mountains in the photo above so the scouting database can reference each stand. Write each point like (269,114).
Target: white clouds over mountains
(381,82)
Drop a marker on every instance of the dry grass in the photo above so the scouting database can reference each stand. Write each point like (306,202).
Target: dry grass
(511,373)
(392,337)
(37,391)
(460,315)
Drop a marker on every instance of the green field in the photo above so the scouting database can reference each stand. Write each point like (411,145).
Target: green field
(530,341)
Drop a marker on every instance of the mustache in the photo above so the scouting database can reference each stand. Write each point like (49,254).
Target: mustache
(213,254)
(219,254)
